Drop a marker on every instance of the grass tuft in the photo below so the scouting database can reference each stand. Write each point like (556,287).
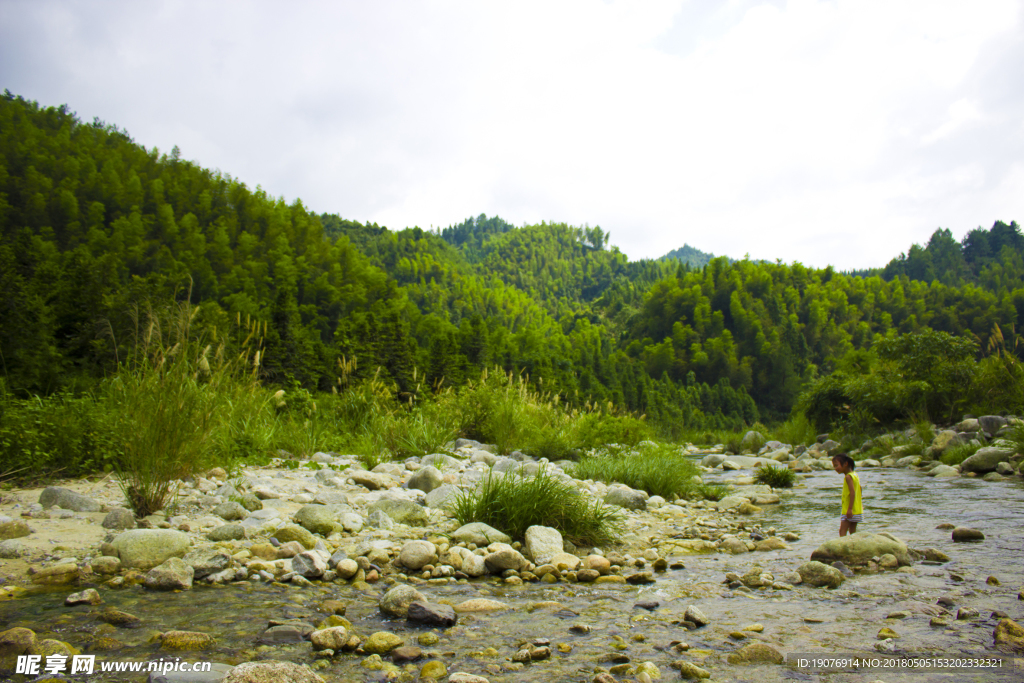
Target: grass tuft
(512,504)
(774,476)
(660,470)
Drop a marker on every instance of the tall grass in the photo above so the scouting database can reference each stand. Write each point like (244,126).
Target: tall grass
(513,504)
(777,477)
(957,454)
(660,470)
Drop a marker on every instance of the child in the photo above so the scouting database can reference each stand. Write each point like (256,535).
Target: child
(852,511)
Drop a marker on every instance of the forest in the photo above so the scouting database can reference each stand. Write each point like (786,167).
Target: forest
(95,228)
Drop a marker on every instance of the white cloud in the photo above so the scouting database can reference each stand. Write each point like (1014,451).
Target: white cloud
(825,132)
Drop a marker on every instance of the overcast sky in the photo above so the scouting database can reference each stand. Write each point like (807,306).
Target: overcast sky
(821,132)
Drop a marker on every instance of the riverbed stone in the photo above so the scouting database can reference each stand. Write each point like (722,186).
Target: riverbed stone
(859,548)
(119,618)
(271,671)
(963,534)
(991,423)
(227,532)
(67,500)
(696,616)
(318,519)
(625,497)
(417,554)
(689,670)
(56,575)
(90,596)
(144,549)
(402,511)
(206,560)
(481,534)
(172,574)
(504,557)
(542,543)
(397,600)
(756,653)
(15,528)
(331,638)
(1009,636)
(426,479)
(480,605)
(186,641)
(433,670)
(294,532)
(432,615)
(231,511)
(119,518)
(382,642)
(986,459)
(309,564)
(817,574)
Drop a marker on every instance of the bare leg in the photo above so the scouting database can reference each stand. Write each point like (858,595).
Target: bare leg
(852,527)
(844,527)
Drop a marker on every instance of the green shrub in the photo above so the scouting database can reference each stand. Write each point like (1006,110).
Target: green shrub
(713,491)
(660,471)
(796,430)
(957,454)
(512,504)
(775,476)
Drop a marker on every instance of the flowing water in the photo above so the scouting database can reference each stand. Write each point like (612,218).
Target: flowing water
(804,620)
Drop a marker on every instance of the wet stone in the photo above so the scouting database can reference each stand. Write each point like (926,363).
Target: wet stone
(90,596)
(406,653)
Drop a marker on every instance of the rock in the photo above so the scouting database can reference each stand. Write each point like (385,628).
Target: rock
(943,472)
(379,520)
(294,532)
(397,600)
(90,596)
(859,548)
(15,528)
(382,642)
(186,640)
(886,632)
(347,568)
(406,653)
(442,497)
(271,671)
(318,519)
(625,497)
(172,574)
(426,479)
(416,554)
(282,634)
(16,641)
(480,605)
(479,533)
(696,616)
(119,619)
(250,502)
(542,543)
(333,638)
(231,511)
(817,574)
(1009,636)
(106,565)
(965,613)
(205,561)
(963,534)
(689,670)
(991,423)
(432,615)
(986,460)
(56,575)
(371,480)
(227,532)
(309,564)
(463,677)
(144,549)
(504,557)
(11,549)
(756,653)
(119,518)
(67,500)
(402,511)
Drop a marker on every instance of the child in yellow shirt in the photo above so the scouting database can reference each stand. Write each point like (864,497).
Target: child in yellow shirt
(853,511)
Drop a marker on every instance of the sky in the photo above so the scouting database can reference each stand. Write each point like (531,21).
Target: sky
(825,132)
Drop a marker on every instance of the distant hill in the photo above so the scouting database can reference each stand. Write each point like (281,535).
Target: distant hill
(689,255)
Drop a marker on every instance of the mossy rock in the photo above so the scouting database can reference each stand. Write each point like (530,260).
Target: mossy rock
(186,640)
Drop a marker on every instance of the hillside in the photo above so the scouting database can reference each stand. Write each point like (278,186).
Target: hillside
(94,227)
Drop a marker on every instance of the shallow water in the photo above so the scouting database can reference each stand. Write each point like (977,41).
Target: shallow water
(905,503)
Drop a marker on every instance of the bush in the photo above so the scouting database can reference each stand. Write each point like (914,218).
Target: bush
(957,454)
(512,504)
(774,476)
(713,491)
(661,471)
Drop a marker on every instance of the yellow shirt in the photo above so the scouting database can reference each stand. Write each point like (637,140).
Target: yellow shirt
(857,508)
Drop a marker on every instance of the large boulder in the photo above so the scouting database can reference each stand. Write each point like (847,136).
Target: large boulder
(542,543)
(16,528)
(402,511)
(1009,636)
(396,601)
(479,533)
(318,519)
(270,671)
(146,548)
(171,575)
(945,440)
(986,460)
(712,460)
(751,442)
(859,548)
(67,499)
(426,479)
(625,497)
(443,497)
(992,423)
(817,574)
